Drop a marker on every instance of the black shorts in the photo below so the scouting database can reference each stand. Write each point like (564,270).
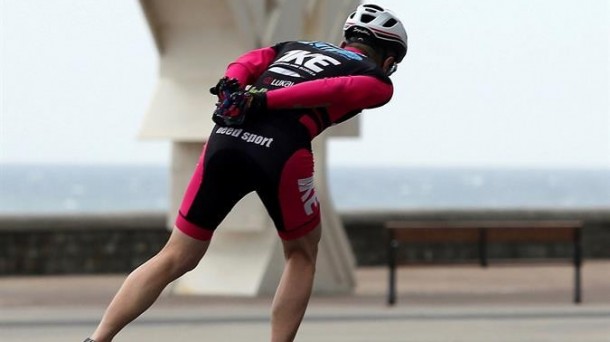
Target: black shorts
(271,157)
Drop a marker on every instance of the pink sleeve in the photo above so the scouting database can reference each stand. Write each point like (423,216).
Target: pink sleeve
(349,92)
(250,65)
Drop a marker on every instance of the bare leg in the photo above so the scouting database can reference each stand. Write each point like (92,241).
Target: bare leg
(294,290)
(144,285)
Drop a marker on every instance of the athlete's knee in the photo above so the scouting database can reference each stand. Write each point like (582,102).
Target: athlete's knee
(175,263)
(305,247)
(182,254)
(186,263)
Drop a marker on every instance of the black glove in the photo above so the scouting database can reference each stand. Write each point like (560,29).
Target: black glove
(224,88)
(234,110)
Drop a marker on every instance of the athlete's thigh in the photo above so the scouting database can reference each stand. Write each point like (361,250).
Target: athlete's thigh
(291,198)
(217,184)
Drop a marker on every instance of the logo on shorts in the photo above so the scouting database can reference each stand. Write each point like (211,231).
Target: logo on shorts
(308,195)
(245,136)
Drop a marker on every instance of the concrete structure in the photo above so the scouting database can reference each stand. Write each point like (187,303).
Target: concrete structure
(195,40)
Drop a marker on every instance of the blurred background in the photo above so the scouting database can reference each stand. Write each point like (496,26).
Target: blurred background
(499,105)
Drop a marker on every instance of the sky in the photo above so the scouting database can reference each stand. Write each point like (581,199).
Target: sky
(517,84)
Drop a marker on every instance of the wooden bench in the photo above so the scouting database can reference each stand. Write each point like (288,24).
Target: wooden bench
(482,233)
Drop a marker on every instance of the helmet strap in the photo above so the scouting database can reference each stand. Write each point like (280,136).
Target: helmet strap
(381,52)
(372,50)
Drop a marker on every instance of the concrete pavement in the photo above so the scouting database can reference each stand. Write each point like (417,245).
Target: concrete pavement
(456,303)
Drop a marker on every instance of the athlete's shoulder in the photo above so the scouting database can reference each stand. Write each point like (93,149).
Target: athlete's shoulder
(319,47)
(357,63)
(323,59)
(335,50)
(288,45)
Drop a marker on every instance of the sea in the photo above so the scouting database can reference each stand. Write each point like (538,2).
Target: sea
(74,189)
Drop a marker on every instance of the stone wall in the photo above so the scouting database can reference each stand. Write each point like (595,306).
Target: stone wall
(78,244)
(117,243)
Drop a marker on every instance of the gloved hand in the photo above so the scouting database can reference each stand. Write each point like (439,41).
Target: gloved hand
(241,104)
(224,88)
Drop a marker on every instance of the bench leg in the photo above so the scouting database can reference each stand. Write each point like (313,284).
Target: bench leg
(393,246)
(483,247)
(577,266)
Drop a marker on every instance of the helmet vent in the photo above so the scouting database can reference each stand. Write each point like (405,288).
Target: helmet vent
(366,18)
(373,8)
(352,15)
(390,23)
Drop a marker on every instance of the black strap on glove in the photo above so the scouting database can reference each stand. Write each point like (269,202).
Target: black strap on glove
(224,88)
(239,105)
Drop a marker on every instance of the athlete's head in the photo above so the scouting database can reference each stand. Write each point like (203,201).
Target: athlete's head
(380,29)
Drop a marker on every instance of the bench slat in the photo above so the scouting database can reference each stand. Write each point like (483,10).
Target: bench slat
(546,234)
(506,224)
(435,235)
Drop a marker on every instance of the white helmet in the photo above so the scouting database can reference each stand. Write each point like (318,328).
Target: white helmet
(383,24)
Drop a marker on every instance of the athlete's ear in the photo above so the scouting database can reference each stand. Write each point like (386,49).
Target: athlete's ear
(389,65)
(343,44)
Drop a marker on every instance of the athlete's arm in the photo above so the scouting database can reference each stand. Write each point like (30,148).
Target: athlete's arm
(250,65)
(349,92)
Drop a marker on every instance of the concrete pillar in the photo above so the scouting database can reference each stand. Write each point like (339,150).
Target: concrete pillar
(196,39)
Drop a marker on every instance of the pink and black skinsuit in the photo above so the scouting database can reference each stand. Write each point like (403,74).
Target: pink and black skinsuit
(310,86)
